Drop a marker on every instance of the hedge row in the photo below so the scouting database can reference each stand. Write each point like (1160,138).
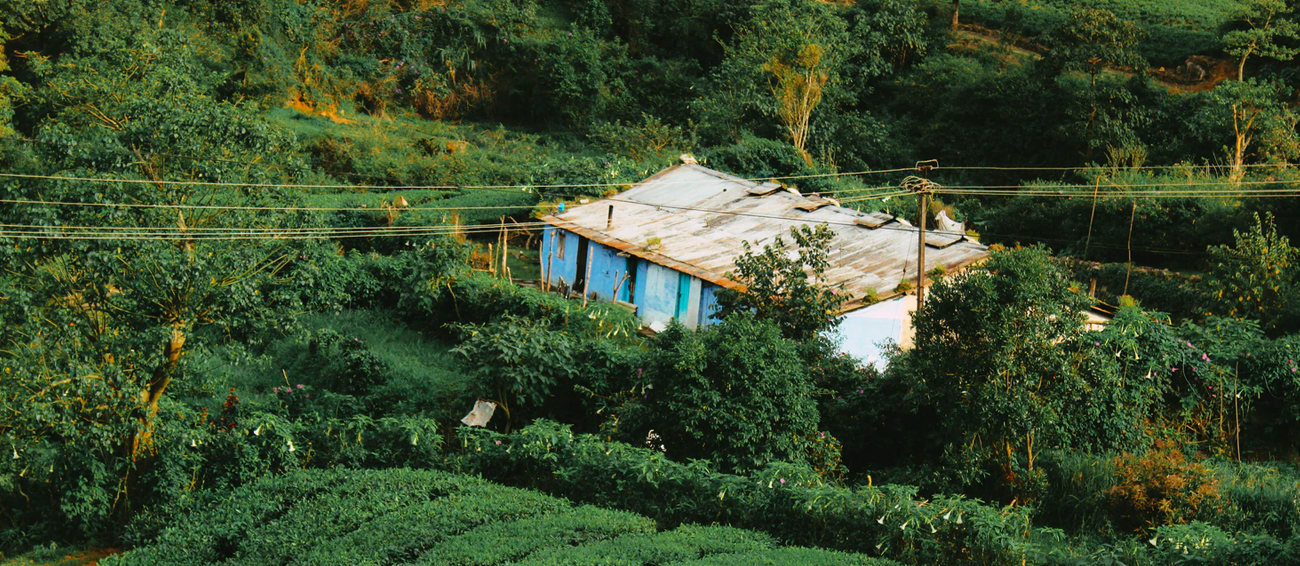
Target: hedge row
(787,501)
(477,299)
(380,517)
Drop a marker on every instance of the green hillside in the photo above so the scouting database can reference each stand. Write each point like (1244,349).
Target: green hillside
(259,258)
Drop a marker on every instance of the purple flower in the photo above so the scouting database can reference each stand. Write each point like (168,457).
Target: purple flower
(498,443)
(859,391)
(782,480)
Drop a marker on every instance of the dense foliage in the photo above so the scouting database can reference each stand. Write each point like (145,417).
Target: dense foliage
(256,254)
(427,517)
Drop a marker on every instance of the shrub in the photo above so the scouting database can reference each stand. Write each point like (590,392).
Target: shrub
(736,393)
(346,365)
(516,361)
(788,501)
(1161,487)
(478,299)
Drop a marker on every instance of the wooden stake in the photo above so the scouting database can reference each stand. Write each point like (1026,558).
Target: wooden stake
(1128,269)
(549,257)
(505,250)
(1236,407)
(586,279)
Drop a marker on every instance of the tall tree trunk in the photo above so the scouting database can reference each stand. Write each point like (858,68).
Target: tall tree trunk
(1242,134)
(142,441)
(956,11)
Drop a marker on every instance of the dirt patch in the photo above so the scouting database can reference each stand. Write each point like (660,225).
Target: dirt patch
(973,36)
(84,557)
(1197,74)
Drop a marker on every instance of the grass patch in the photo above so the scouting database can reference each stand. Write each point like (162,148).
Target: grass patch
(419,376)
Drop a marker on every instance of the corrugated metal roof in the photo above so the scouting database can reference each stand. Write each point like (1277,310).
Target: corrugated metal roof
(693,219)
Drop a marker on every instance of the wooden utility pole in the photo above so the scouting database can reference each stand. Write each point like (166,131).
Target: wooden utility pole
(923,188)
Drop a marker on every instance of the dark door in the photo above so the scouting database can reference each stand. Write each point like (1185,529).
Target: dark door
(632,280)
(580,280)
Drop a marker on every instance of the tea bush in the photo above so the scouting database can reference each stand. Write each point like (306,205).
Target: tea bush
(405,516)
(788,501)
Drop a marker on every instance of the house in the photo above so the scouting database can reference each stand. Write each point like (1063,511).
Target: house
(665,247)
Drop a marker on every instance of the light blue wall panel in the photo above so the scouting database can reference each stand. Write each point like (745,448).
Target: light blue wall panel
(658,304)
(639,286)
(708,304)
(566,267)
(607,269)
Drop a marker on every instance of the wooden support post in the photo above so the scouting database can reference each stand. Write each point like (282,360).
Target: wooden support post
(920,252)
(505,251)
(609,219)
(922,187)
(586,279)
(546,277)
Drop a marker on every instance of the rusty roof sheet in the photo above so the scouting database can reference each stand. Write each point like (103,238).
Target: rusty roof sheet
(693,219)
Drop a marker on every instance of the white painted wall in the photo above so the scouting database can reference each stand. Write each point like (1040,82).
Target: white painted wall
(866,331)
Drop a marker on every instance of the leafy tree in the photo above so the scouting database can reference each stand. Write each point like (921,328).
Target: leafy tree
(1092,40)
(1253,115)
(10,90)
(783,289)
(1256,277)
(1259,26)
(785,62)
(94,343)
(990,359)
(892,34)
(736,393)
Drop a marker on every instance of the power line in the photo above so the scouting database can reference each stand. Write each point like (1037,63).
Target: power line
(199,229)
(1103,167)
(174,233)
(252,208)
(1052,186)
(523,187)
(171,234)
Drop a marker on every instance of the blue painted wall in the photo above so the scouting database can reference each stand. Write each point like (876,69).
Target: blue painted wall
(567,267)
(708,304)
(642,268)
(658,304)
(607,268)
(660,293)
